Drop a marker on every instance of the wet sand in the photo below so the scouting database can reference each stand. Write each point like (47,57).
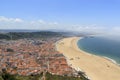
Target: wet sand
(95,67)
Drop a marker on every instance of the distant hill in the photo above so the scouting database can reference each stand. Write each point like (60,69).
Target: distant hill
(17,30)
(22,35)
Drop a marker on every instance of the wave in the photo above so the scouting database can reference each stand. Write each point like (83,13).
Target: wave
(112,60)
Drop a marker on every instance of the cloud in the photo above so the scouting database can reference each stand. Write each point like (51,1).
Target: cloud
(18,23)
(88,28)
(53,23)
(40,24)
(116,29)
(44,25)
(18,20)
(41,21)
(113,31)
(5,19)
(102,30)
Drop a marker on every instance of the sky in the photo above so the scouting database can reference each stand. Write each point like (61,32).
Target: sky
(74,15)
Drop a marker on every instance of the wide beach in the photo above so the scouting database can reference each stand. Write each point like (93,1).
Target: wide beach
(95,67)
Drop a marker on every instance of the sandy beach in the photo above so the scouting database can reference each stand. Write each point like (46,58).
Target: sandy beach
(95,67)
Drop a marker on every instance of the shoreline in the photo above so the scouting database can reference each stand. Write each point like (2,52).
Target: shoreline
(110,59)
(95,67)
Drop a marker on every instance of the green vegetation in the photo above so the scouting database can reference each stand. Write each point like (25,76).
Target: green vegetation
(10,50)
(43,35)
(6,76)
(58,77)
(22,35)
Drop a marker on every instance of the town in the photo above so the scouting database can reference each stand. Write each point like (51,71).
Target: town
(33,56)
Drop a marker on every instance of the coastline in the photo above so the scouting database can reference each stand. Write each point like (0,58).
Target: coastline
(95,67)
(112,60)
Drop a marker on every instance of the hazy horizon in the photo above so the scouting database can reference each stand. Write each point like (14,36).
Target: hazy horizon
(98,16)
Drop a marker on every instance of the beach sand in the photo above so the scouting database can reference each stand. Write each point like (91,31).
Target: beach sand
(95,67)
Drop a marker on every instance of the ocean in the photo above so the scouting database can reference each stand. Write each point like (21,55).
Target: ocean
(101,46)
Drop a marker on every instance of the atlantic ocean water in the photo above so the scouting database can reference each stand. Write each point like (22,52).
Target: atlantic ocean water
(101,46)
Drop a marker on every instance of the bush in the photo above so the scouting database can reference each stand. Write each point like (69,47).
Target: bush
(10,50)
